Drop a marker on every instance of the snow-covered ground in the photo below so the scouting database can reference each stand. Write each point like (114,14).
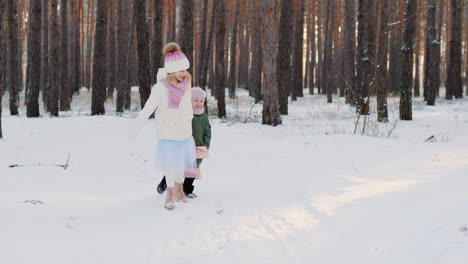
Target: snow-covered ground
(308,191)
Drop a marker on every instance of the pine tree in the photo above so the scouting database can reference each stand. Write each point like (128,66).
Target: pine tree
(99,62)
(34,59)
(144,77)
(13,61)
(381,69)
(454,86)
(270,114)
(2,62)
(431,70)
(407,61)
(53,94)
(284,55)
(350,52)
(220,68)
(65,87)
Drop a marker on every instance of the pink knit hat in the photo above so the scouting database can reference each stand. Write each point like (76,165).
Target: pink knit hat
(174,59)
(198,93)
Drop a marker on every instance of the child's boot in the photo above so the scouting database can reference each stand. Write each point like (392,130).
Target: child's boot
(162,186)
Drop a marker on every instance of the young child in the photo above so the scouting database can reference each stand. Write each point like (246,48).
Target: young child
(201,132)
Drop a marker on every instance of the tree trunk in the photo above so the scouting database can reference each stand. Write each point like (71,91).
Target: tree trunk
(76,46)
(395,45)
(171,33)
(53,95)
(209,51)
(157,43)
(297,60)
(381,69)
(350,52)
(454,86)
(270,114)
(185,35)
(244,56)
(202,44)
(364,63)
(122,54)
(44,82)
(144,76)
(431,70)
(111,47)
(312,65)
(233,54)
(220,69)
(327,60)
(65,88)
(99,63)
(284,55)
(34,59)
(132,64)
(407,61)
(255,77)
(12,16)
(417,76)
(2,61)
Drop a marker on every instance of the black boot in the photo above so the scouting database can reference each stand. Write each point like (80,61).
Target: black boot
(162,186)
(188,188)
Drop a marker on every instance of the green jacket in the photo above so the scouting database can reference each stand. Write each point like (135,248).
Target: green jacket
(201,130)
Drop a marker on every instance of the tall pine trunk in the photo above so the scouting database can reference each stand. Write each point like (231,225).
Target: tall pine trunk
(2,62)
(350,52)
(431,70)
(144,76)
(122,54)
(297,60)
(208,53)
(219,9)
(44,82)
(364,63)
(255,77)
(381,69)
(270,113)
(111,47)
(312,64)
(327,60)
(33,76)
(65,88)
(395,45)
(284,55)
(407,60)
(54,40)
(185,35)
(454,86)
(99,63)
(233,54)
(13,61)
(157,40)
(202,54)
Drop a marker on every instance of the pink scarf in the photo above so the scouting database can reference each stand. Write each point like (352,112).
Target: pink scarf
(198,111)
(176,91)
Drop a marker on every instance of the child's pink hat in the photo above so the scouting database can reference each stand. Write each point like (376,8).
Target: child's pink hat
(198,93)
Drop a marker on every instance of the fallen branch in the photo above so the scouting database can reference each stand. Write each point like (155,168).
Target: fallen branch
(64,166)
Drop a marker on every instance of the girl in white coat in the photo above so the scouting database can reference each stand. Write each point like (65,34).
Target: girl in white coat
(171,98)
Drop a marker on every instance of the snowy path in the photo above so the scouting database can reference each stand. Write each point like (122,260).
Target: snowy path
(268,195)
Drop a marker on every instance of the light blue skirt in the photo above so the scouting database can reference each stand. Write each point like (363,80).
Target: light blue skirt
(176,156)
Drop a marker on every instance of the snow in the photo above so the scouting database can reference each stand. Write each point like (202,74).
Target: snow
(308,191)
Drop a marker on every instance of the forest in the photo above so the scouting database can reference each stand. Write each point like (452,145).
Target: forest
(53,50)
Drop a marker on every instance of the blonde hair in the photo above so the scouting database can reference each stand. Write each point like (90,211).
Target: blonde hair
(171,78)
